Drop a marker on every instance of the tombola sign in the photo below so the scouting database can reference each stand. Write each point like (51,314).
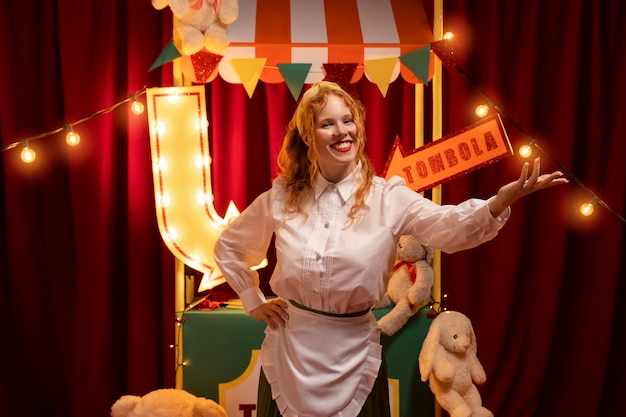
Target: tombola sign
(466,150)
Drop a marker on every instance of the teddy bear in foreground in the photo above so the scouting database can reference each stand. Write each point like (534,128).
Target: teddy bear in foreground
(167,402)
(410,284)
(202,23)
(448,360)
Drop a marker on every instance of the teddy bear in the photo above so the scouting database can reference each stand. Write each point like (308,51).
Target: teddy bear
(448,360)
(166,402)
(202,23)
(410,284)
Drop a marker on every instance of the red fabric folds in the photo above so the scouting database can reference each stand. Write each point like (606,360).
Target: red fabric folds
(86,285)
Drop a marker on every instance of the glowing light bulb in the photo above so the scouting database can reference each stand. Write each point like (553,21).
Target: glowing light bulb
(160,128)
(27,154)
(172,234)
(201,124)
(174,98)
(203,198)
(160,164)
(448,35)
(136,107)
(72,138)
(481,110)
(525,151)
(586,209)
(164,199)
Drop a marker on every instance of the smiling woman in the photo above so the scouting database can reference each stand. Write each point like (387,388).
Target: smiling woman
(330,216)
(86,285)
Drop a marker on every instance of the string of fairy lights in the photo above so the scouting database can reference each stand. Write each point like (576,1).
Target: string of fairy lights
(73,138)
(526,150)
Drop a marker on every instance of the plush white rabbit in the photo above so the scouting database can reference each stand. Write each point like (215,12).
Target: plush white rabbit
(449,362)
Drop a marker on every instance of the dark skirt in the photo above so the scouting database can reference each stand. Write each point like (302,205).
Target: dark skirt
(376,405)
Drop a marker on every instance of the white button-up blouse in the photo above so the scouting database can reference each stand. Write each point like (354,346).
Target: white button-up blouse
(329,263)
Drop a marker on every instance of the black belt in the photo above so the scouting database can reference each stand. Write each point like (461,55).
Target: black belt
(326,313)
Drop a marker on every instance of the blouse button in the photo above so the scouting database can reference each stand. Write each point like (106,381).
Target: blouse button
(326,225)
(317,257)
(316,291)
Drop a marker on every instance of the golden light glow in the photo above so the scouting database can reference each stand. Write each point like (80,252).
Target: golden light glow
(481,110)
(72,138)
(448,35)
(27,154)
(525,151)
(586,209)
(136,107)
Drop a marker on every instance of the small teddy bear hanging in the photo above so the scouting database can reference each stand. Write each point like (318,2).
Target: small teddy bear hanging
(410,284)
(202,23)
(448,360)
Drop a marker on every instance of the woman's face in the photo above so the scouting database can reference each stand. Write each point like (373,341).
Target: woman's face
(335,139)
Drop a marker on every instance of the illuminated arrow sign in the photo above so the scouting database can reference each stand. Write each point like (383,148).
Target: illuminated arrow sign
(188,222)
(473,147)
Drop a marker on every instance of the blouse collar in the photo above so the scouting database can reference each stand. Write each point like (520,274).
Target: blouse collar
(346,186)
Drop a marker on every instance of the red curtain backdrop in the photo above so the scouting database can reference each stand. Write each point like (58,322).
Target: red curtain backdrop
(87,285)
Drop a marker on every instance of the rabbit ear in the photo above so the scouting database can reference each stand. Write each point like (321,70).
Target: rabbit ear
(429,350)
(473,343)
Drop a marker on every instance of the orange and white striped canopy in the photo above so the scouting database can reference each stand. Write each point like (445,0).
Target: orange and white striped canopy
(319,32)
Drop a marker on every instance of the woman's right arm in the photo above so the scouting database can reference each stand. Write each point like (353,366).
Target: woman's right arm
(243,245)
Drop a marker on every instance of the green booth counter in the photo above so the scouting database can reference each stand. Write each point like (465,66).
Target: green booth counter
(221,347)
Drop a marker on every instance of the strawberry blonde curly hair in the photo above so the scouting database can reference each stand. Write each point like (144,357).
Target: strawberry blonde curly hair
(298,162)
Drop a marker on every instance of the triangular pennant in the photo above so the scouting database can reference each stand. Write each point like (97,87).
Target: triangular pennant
(204,64)
(380,71)
(418,62)
(249,71)
(444,49)
(294,75)
(169,53)
(341,74)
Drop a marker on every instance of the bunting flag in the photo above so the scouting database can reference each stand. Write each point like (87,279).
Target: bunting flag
(418,62)
(169,53)
(444,49)
(249,72)
(201,67)
(342,74)
(325,35)
(380,72)
(294,75)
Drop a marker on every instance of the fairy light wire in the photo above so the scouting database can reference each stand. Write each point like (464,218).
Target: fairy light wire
(535,143)
(130,98)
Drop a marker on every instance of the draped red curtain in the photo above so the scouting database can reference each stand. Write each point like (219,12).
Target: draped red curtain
(87,285)
(545,295)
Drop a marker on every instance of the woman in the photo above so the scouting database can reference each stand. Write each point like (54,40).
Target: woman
(336,226)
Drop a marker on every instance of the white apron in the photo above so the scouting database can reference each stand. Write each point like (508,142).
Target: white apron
(322,366)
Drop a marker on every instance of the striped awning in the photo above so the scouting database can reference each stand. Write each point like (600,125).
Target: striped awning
(320,32)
